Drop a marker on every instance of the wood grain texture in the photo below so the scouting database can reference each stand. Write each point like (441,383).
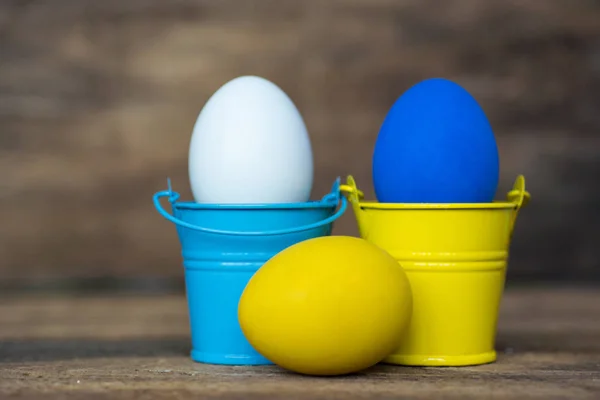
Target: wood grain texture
(98,98)
(136,347)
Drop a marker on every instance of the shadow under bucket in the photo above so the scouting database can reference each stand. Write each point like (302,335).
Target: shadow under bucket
(223,245)
(455,257)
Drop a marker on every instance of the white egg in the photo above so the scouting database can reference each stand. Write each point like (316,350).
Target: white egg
(250,145)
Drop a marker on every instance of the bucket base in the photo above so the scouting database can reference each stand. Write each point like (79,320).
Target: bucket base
(232,359)
(441,361)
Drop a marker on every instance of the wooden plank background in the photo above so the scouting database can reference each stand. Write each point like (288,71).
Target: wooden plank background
(98,99)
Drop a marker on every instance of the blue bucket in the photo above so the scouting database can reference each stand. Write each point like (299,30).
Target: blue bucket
(223,245)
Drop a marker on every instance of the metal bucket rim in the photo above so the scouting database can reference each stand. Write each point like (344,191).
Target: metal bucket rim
(438,206)
(189,205)
(517,198)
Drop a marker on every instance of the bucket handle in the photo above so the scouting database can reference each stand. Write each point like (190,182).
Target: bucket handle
(519,196)
(173,196)
(354,193)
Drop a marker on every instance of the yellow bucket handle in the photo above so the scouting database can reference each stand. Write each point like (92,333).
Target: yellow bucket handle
(354,194)
(519,196)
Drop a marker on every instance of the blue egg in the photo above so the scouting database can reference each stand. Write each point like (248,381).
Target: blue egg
(436,145)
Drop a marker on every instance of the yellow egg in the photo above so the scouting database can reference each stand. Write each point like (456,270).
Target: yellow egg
(331,305)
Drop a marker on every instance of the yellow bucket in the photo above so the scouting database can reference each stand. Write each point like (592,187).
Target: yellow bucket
(455,257)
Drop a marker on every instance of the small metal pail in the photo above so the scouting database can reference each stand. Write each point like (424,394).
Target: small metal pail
(455,257)
(223,245)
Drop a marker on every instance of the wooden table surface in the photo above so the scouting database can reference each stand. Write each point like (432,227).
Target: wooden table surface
(119,347)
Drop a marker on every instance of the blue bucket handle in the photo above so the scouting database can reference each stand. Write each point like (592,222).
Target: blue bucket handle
(173,196)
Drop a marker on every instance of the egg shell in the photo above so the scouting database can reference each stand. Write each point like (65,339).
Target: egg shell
(331,305)
(436,145)
(250,145)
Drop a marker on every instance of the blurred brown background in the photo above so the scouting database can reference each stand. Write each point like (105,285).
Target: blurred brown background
(98,99)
